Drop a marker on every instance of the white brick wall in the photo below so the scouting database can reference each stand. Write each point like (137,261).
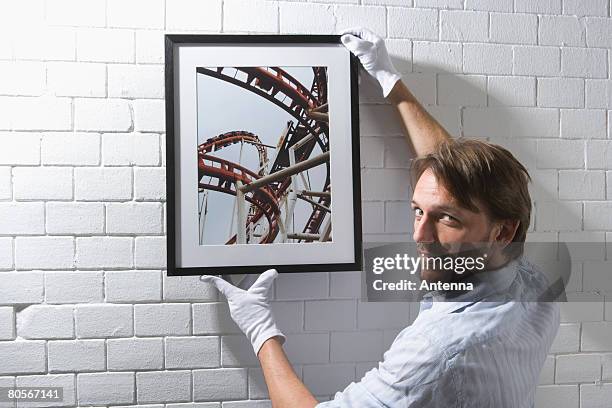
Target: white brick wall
(84,300)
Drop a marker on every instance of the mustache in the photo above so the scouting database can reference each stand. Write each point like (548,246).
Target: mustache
(436,249)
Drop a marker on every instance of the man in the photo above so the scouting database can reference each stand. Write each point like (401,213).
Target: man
(484,348)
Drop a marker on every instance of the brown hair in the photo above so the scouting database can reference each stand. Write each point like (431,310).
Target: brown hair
(473,170)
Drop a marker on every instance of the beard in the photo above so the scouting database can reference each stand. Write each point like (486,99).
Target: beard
(437,257)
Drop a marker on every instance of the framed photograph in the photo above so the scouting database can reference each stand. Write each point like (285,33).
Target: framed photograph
(262,148)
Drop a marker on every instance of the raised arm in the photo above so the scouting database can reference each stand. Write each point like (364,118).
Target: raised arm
(422,131)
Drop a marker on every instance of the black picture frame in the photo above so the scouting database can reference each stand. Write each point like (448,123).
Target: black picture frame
(172,41)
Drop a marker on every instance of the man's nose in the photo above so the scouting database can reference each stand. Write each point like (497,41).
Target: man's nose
(424,230)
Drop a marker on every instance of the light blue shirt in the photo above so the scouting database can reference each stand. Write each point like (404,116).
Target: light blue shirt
(484,352)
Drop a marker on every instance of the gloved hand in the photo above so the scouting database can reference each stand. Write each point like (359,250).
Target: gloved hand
(371,51)
(250,308)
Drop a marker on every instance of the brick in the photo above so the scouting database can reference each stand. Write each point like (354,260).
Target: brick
(598,93)
(561,30)
(150,46)
(23,149)
(562,154)
(76,13)
(511,91)
(44,43)
(237,351)
(598,215)
(487,59)
(560,93)
(6,253)
(64,381)
(192,352)
(84,149)
(345,285)
(583,124)
(581,185)
(378,120)
(464,26)
(609,184)
(464,90)
(7,323)
(104,252)
(102,115)
(6,183)
(513,122)
(45,322)
(595,395)
(188,288)
(557,396)
(133,286)
(502,5)
(149,183)
(373,216)
(21,218)
(295,286)
(514,28)
(213,318)
(21,287)
(74,218)
(219,384)
(365,346)
(599,154)
(422,86)
(418,24)
(135,81)
(76,355)
(567,339)
(437,57)
(321,21)
(349,16)
(307,348)
(193,15)
(442,4)
(135,354)
(102,184)
(372,152)
(129,14)
(77,79)
(248,404)
(583,62)
(578,368)
(97,321)
(105,45)
(558,216)
(133,218)
(52,113)
(537,60)
(22,78)
(585,8)
(598,32)
(325,379)
(163,319)
(42,183)
(394,187)
(22,357)
(127,149)
(106,388)
(379,315)
(149,115)
(257,384)
(330,315)
(289,316)
(257,16)
(547,375)
(538,6)
(163,386)
(606,361)
(73,287)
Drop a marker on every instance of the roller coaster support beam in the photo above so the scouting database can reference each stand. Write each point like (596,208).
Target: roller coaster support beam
(316,193)
(286,172)
(304,235)
(240,215)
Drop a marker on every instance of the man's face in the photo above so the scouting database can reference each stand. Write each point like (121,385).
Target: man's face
(443,228)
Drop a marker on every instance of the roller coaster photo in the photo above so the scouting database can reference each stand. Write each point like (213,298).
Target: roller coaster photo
(263,155)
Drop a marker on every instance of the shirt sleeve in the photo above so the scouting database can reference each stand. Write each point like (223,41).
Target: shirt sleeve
(411,374)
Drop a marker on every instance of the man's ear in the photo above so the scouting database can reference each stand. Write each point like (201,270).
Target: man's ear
(505,232)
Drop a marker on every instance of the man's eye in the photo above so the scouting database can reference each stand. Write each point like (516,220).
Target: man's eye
(418,212)
(449,217)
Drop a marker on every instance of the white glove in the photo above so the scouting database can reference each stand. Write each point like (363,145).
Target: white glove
(371,51)
(250,308)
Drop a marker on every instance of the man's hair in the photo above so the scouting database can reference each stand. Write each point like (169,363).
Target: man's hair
(473,170)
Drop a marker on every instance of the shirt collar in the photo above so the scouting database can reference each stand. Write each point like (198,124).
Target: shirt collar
(487,284)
